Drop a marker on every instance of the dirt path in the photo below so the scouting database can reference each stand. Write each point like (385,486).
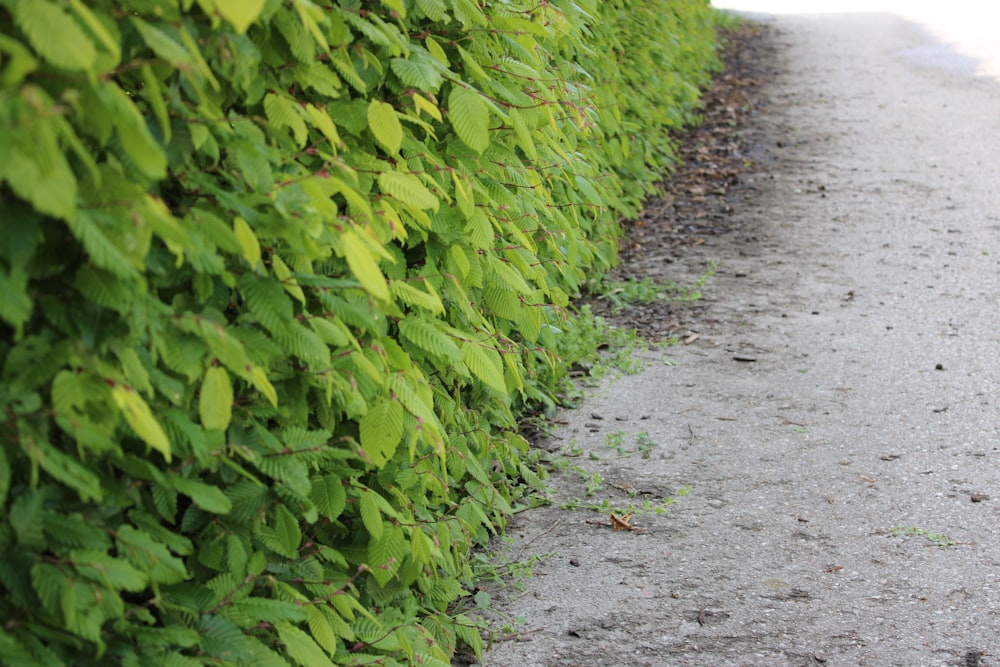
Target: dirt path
(837,418)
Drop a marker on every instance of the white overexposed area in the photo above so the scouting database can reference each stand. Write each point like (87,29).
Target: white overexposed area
(971,28)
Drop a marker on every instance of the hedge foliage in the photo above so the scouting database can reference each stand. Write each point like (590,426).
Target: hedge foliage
(275,278)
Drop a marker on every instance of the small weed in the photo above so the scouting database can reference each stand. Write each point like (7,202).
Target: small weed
(645,508)
(622,294)
(594,481)
(645,443)
(615,441)
(489,566)
(911,531)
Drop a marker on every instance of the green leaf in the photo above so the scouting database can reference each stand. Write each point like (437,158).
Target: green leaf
(385,126)
(286,530)
(137,142)
(99,567)
(301,647)
(34,164)
(25,517)
(484,362)
(417,73)
(149,556)
(362,263)
(470,117)
(59,465)
(215,403)
(371,517)
(207,497)
(416,297)
(381,431)
(329,496)
(408,189)
(259,379)
(425,335)
(16,305)
(139,416)
(55,35)
(385,555)
(249,245)
(282,113)
(164,45)
(240,13)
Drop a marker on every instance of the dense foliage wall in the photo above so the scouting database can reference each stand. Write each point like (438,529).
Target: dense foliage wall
(275,276)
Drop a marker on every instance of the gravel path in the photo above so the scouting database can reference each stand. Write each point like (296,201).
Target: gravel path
(836,420)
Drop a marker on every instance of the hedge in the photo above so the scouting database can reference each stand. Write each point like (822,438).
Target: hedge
(277,278)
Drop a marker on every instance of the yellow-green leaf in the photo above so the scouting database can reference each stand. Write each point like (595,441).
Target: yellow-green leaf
(321,120)
(249,245)
(134,135)
(288,281)
(139,416)
(435,50)
(396,6)
(283,113)
(55,35)
(484,362)
(385,126)
(97,29)
(215,404)
(301,647)
(421,103)
(362,263)
(408,189)
(381,430)
(259,379)
(241,13)
(470,117)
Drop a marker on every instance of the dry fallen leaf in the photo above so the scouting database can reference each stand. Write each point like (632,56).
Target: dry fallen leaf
(622,522)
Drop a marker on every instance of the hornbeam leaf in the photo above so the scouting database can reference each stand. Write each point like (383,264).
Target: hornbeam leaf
(259,379)
(215,404)
(432,9)
(385,126)
(408,189)
(282,113)
(362,263)
(328,494)
(97,29)
(301,647)
(421,103)
(164,45)
(322,121)
(381,431)
(55,35)
(134,135)
(241,13)
(249,245)
(396,6)
(139,416)
(205,496)
(371,516)
(485,366)
(386,554)
(470,117)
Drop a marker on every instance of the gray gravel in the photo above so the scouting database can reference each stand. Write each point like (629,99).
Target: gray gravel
(845,476)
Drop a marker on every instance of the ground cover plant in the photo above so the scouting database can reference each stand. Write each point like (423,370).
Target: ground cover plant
(277,278)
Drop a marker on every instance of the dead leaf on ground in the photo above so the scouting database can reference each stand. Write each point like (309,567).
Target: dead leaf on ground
(623,522)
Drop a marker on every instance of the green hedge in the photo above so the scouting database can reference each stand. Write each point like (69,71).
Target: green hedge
(276,277)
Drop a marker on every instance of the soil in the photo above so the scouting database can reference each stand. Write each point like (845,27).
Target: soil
(813,478)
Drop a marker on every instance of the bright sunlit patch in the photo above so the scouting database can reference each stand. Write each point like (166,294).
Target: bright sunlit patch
(968,26)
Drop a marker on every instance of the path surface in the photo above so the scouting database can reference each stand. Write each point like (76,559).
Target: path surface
(826,474)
